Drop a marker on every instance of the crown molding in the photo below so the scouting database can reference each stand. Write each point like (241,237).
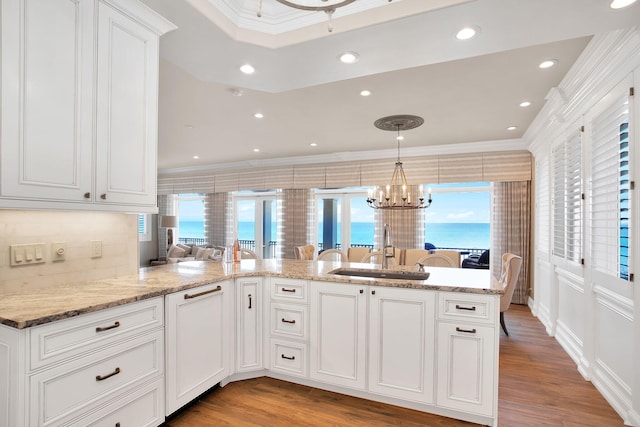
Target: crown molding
(605,62)
(354,156)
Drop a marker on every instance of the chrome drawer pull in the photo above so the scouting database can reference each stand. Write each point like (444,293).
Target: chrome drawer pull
(199,294)
(100,378)
(288,290)
(468,331)
(288,358)
(462,307)
(289,321)
(106,328)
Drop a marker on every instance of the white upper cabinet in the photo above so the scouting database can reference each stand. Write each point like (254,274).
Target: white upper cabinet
(79,104)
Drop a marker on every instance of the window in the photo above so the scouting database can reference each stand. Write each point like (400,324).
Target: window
(460,216)
(256,222)
(350,215)
(191,219)
(567,197)
(610,209)
(144,228)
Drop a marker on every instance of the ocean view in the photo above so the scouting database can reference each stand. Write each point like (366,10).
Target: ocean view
(442,235)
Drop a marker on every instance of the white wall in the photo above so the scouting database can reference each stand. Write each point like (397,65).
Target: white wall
(118,233)
(595,320)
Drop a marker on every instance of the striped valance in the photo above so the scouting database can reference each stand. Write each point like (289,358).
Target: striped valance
(472,167)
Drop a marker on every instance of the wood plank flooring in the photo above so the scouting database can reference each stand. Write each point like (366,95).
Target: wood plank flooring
(539,386)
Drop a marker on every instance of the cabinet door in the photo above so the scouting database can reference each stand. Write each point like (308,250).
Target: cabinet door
(47,98)
(249,324)
(466,367)
(338,334)
(126,128)
(197,338)
(401,343)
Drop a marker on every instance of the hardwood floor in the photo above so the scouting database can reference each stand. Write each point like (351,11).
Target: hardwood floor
(539,386)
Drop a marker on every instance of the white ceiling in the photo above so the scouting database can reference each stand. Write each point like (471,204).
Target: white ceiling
(467,91)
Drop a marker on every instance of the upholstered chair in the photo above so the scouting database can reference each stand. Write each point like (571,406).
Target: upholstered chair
(511,265)
(305,252)
(413,256)
(332,255)
(355,254)
(248,254)
(454,255)
(375,257)
(436,260)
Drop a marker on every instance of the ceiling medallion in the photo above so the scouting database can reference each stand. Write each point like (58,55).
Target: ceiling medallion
(397,194)
(326,6)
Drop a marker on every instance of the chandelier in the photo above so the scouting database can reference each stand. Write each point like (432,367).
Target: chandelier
(397,194)
(326,6)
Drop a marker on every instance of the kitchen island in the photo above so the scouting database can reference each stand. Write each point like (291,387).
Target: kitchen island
(430,345)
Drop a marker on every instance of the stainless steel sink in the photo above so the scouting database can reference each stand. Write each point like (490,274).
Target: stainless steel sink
(381,274)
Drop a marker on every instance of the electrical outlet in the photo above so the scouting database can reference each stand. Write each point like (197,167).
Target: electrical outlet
(96,248)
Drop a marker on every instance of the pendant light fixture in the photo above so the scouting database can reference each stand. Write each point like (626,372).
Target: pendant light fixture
(398,194)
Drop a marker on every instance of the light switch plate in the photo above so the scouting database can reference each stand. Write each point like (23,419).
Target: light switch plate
(28,254)
(58,251)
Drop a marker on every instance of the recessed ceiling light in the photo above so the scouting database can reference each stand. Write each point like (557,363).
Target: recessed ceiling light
(349,57)
(548,63)
(313,144)
(512,128)
(256,150)
(247,69)
(258,115)
(467,33)
(619,4)
(236,92)
(365,93)
(525,104)
(196,157)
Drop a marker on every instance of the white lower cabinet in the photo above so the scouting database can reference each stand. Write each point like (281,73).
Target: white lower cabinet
(249,306)
(198,341)
(107,365)
(338,334)
(467,349)
(401,338)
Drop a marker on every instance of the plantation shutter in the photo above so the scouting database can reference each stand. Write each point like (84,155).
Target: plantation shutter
(573,197)
(542,205)
(610,188)
(559,225)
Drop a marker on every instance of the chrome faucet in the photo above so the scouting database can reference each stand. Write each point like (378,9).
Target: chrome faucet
(386,245)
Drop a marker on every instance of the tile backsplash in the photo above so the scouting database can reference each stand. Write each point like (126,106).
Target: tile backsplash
(117,232)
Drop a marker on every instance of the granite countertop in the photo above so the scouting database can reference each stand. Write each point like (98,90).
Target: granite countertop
(39,306)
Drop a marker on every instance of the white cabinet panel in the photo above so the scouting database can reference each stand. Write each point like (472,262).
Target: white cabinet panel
(401,338)
(466,367)
(198,325)
(127,103)
(249,324)
(47,98)
(62,392)
(338,334)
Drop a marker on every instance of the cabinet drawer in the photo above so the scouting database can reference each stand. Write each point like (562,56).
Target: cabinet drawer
(72,337)
(289,357)
(65,391)
(289,289)
(467,307)
(143,407)
(288,320)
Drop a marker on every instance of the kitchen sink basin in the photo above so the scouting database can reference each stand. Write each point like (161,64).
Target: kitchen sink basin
(381,274)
